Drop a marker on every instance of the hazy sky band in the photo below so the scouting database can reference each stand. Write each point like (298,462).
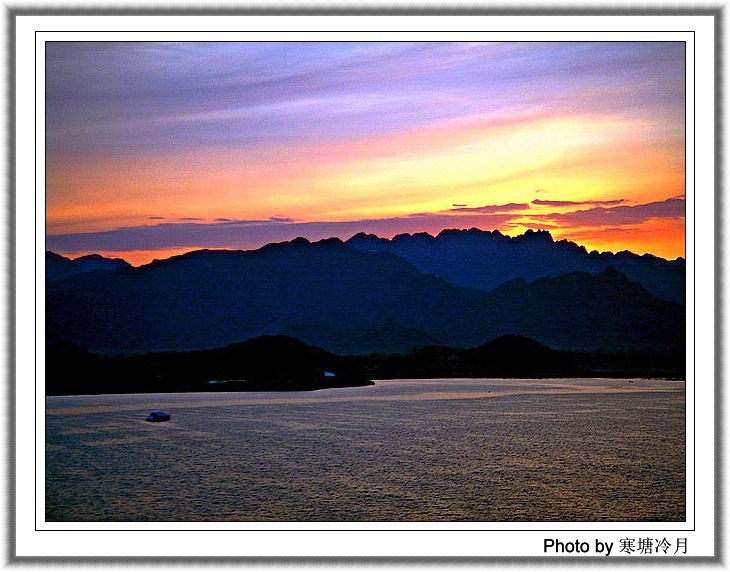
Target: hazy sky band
(135,97)
(339,132)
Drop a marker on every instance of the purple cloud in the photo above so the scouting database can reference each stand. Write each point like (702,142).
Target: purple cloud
(254,234)
(533,225)
(621,215)
(112,98)
(491,208)
(576,203)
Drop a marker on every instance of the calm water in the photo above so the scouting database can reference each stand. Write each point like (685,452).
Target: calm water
(438,450)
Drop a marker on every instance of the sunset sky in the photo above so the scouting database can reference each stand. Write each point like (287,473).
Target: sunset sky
(153,149)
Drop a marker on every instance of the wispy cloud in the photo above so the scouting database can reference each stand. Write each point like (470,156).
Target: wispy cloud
(218,135)
(620,215)
(510,207)
(533,225)
(241,234)
(122,97)
(541,202)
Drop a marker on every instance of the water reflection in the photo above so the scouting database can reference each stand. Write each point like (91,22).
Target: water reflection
(439,450)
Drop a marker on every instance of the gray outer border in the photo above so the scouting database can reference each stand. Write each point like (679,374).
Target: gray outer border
(10,27)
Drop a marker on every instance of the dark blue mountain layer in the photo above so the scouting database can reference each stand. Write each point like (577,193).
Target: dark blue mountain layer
(340,298)
(59,267)
(484,259)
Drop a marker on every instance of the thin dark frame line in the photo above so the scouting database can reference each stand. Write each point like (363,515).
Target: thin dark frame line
(379,529)
(718,276)
(485,530)
(361,41)
(694,256)
(11,343)
(35,265)
(364,11)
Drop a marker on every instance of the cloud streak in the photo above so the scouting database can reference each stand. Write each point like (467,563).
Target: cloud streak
(117,97)
(247,234)
(256,233)
(510,207)
(541,202)
(388,137)
(620,215)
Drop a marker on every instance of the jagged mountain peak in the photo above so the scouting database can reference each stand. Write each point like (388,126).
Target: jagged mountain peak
(60,267)
(485,259)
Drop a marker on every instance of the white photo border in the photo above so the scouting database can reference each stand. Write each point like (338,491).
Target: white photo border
(36,538)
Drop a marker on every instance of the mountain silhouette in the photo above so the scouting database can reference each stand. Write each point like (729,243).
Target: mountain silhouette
(59,267)
(510,355)
(267,363)
(346,300)
(385,337)
(207,299)
(603,312)
(483,259)
(280,363)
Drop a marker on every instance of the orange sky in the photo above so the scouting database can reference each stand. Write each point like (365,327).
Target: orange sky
(443,137)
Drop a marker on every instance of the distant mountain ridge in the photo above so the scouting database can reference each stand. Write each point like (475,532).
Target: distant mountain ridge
(471,258)
(485,259)
(347,300)
(59,267)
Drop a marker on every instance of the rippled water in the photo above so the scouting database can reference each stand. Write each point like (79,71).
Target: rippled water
(437,450)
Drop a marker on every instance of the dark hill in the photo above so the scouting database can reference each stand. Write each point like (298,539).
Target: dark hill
(211,298)
(269,363)
(603,312)
(59,267)
(506,356)
(278,363)
(517,356)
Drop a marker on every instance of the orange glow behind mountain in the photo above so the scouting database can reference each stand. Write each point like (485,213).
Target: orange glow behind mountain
(444,137)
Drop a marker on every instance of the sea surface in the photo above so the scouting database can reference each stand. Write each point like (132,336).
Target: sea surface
(402,450)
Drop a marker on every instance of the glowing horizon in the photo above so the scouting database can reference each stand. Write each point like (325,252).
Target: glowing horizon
(142,257)
(170,147)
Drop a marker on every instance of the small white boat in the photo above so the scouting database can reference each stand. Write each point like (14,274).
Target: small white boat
(158,415)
